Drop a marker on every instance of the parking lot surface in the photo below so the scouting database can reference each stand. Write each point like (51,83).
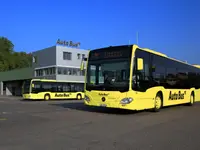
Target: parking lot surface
(56,125)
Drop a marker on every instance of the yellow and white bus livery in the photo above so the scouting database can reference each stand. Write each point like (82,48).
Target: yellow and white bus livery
(134,78)
(38,89)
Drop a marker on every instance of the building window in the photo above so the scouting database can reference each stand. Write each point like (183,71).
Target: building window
(82,72)
(64,70)
(39,72)
(83,56)
(67,55)
(75,70)
(50,71)
(47,71)
(78,72)
(59,71)
(34,59)
(70,71)
(79,56)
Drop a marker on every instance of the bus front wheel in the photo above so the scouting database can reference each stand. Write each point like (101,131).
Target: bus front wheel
(78,97)
(47,97)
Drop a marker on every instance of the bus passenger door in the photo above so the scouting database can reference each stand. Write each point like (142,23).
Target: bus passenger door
(142,77)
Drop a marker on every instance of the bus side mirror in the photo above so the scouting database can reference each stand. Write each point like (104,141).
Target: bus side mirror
(140,64)
(32,85)
(82,65)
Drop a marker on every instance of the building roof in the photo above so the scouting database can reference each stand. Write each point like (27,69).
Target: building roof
(16,74)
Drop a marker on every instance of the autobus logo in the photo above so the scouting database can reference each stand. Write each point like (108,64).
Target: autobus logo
(61,95)
(103,94)
(176,96)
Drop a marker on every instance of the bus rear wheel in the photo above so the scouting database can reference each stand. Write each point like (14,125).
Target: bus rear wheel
(158,103)
(78,97)
(47,97)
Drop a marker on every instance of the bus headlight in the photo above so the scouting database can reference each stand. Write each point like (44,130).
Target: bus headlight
(87,98)
(126,100)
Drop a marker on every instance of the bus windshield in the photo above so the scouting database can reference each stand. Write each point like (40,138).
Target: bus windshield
(109,69)
(108,75)
(26,87)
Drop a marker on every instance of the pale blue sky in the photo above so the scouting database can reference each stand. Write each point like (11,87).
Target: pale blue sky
(171,27)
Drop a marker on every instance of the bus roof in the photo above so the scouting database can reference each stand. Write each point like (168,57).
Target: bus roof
(49,80)
(164,55)
(198,66)
(153,52)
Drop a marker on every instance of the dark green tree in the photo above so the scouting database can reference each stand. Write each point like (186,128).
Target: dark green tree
(9,59)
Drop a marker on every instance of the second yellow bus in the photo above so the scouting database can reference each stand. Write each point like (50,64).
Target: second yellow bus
(36,89)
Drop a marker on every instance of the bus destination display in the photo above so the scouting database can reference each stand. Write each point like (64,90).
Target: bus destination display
(110,53)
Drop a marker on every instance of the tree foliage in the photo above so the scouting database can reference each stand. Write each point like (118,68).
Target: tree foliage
(9,59)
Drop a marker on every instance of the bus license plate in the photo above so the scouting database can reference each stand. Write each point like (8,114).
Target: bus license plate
(103,105)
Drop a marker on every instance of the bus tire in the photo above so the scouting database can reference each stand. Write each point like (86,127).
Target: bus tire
(79,97)
(47,97)
(158,102)
(191,99)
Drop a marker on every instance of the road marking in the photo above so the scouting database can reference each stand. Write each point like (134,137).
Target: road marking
(3,119)
(5,112)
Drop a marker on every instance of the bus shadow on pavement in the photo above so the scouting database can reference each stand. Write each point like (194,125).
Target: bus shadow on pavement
(42,100)
(80,106)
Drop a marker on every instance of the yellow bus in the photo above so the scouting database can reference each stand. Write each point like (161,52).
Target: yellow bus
(134,78)
(37,89)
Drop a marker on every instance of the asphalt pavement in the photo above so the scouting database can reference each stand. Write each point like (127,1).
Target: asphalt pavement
(70,125)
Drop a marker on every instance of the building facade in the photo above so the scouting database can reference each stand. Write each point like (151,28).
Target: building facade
(59,63)
(56,62)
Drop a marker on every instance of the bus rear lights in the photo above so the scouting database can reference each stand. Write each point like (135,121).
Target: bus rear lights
(87,98)
(126,100)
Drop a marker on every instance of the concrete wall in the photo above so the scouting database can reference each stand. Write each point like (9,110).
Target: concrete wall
(71,78)
(45,57)
(75,62)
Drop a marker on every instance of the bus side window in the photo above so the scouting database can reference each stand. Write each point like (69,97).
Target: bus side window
(53,87)
(72,87)
(59,87)
(158,71)
(66,87)
(81,85)
(46,87)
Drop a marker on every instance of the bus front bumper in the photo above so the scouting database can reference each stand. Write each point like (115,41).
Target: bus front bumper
(27,96)
(110,104)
